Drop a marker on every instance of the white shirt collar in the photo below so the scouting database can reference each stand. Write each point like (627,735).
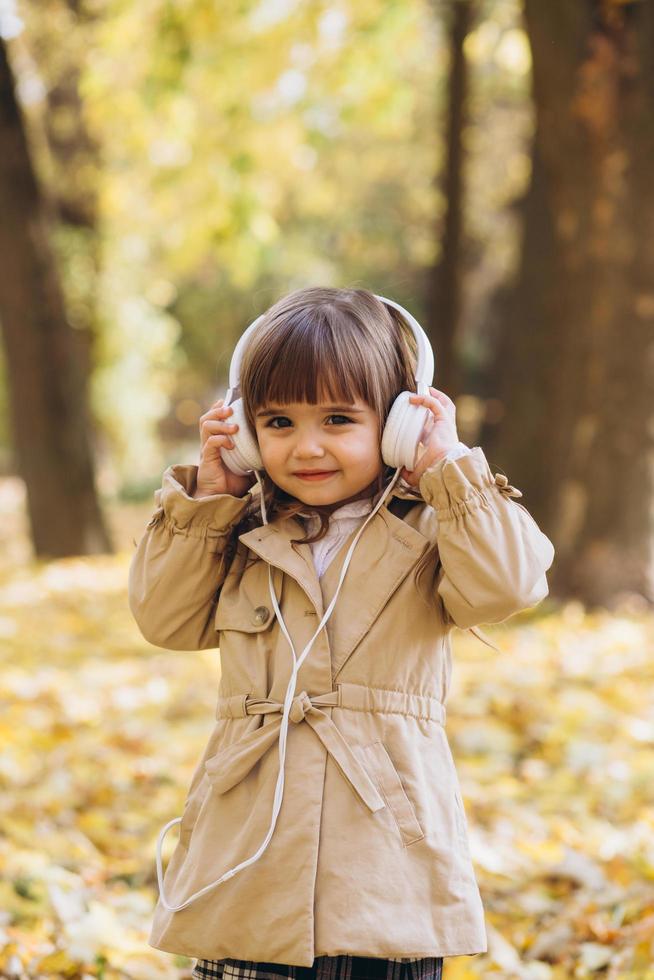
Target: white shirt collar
(355,508)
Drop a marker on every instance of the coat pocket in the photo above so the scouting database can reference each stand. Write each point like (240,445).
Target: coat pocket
(192,809)
(244,617)
(387,779)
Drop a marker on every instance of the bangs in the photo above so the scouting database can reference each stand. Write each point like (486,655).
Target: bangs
(306,361)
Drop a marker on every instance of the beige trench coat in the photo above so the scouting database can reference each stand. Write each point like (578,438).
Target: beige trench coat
(370,854)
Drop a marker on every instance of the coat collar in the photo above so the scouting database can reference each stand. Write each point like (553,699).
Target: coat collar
(388,545)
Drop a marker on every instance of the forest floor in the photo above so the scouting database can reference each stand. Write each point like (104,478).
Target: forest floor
(100,731)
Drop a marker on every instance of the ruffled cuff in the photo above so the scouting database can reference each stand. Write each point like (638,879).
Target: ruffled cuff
(456,486)
(460,450)
(211,516)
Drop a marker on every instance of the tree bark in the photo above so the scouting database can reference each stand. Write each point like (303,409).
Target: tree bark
(577,358)
(47,385)
(445,287)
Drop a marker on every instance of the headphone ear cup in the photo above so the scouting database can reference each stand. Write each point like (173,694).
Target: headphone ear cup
(402,431)
(244,456)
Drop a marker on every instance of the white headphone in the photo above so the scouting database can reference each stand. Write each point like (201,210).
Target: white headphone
(399,445)
(403,426)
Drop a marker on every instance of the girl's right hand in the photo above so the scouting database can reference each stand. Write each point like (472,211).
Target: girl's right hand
(213,475)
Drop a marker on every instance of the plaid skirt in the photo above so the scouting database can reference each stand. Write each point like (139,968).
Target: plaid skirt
(324,968)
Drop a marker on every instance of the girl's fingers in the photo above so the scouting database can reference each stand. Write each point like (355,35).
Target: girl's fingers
(219,440)
(217,426)
(215,413)
(211,427)
(427,401)
(436,403)
(441,395)
(212,408)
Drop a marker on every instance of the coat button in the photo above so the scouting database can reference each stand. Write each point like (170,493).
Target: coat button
(261,614)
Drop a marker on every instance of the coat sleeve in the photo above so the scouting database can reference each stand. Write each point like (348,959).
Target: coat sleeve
(180,563)
(493,554)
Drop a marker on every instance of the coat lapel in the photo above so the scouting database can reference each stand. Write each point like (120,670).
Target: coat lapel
(383,556)
(272,542)
(385,552)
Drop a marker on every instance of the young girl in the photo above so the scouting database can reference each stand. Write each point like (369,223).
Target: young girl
(364,871)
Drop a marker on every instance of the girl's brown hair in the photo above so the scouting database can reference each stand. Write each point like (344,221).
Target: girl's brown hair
(323,342)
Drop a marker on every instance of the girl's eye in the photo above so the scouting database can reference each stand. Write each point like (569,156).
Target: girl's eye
(283,418)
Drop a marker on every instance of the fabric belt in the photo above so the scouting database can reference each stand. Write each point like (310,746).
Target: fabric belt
(232,763)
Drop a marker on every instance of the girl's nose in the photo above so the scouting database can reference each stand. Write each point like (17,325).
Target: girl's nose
(308,445)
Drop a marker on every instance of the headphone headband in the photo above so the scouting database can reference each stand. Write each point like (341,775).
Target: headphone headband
(424,372)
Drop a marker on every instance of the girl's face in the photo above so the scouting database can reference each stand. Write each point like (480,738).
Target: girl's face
(337,440)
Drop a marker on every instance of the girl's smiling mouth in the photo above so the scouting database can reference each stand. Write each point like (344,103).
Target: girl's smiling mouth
(314,474)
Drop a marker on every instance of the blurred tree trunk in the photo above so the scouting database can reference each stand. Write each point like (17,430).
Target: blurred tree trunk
(522,376)
(74,161)
(576,362)
(445,278)
(47,384)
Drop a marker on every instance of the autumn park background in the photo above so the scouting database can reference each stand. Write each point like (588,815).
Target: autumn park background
(168,170)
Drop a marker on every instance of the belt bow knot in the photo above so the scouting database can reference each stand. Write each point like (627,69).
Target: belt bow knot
(300,705)
(232,763)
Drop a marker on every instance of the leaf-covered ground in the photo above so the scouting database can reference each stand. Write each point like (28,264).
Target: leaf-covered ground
(100,733)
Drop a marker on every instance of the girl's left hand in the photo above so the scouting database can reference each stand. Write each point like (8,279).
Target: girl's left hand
(438,436)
